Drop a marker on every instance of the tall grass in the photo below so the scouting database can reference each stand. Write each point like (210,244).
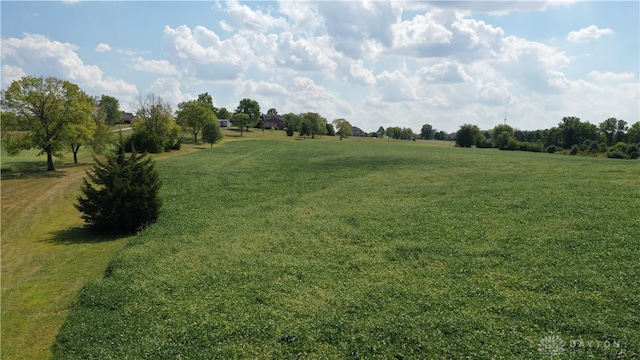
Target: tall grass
(373,249)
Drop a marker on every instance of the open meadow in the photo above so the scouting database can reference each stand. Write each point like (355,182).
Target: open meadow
(373,249)
(322,248)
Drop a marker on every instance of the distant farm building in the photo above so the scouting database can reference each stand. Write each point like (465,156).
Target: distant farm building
(356,131)
(272,121)
(127,118)
(224,122)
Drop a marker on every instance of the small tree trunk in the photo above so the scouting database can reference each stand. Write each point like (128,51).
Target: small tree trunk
(50,166)
(75,153)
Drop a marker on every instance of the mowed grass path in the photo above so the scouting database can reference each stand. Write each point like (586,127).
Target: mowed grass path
(372,249)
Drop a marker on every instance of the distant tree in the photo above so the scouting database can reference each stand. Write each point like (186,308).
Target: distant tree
(81,130)
(528,135)
(193,115)
(503,139)
(102,137)
(380,132)
(316,123)
(251,108)
(121,194)
(393,132)
(551,136)
(211,132)
(111,108)
(407,134)
(331,131)
(241,120)
(272,111)
(633,135)
(440,135)
(575,132)
(467,134)
(49,110)
(610,128)
(305,128)
(155,118)
(343,127)
(621,132)
(223,113)
(499,129)
(207,100)
(291,122)
(427,132)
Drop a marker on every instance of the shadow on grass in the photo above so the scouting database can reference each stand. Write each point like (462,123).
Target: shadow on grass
(28,170)
(29,173)
(80,235)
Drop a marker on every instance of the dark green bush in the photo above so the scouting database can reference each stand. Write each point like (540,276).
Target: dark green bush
(574,150)
(121,194)
(144,141)
(536,147)
(484,143)
(616,154)
(551,149)
(632,151)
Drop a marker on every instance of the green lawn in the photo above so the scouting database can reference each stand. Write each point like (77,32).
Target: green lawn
(373,249)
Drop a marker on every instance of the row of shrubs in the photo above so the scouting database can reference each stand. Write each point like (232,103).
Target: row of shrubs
(618,151)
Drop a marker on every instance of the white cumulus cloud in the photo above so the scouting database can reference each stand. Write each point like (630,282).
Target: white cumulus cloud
(102,47)
(361,74)
(587,34)
(39,55)
(161,67)
(10,73)
(610,76)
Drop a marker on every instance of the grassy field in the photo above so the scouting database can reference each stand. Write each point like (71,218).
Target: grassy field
(46,255)
(373,249)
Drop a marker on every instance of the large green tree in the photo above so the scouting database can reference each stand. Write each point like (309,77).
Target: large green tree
(155,119)
(193,115)
(207,100)
(49,110)
(467,135)
(223,113)
(614,130)
(251,108)
(80,132)
(111,108)
(343,127)
(427,132)
(633,135)
(103,136)
(241,120)
(291,122)
(317,124)
(121,194)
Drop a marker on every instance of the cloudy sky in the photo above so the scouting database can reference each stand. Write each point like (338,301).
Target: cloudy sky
(375,63)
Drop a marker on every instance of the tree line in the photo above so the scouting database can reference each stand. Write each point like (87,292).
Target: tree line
(612,137)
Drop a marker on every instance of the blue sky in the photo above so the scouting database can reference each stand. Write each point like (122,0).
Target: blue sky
(375,63)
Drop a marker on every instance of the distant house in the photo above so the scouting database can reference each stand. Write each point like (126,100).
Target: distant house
(356,131)
(127,118)
(224,122)
(272,121)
